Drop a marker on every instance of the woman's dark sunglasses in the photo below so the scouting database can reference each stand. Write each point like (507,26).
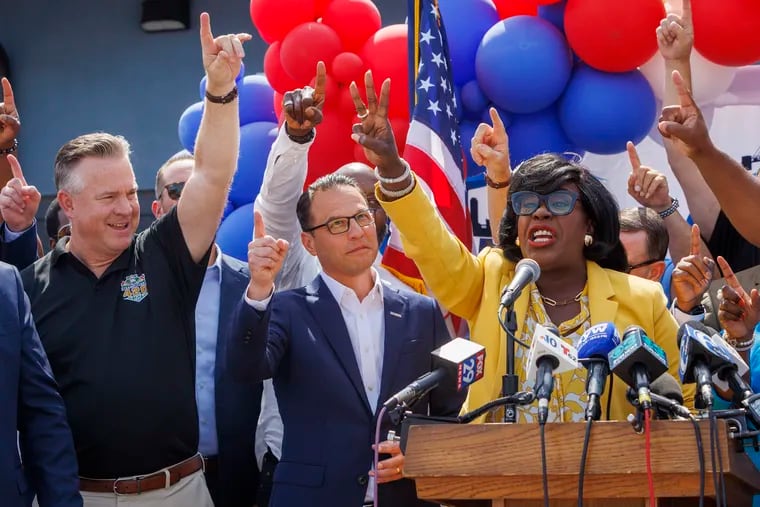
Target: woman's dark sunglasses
(559,202)
(174,190)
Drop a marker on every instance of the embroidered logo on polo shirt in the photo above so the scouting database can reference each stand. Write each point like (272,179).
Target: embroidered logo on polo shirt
(134,288)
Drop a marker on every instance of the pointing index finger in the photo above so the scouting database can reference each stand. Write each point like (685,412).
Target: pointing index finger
(686,12)
(8,100)
(633,156)
(498,124)
(259,230)
(207,38)
(16,169)
(684,95)
(730,277)
(321,81)
(696,241)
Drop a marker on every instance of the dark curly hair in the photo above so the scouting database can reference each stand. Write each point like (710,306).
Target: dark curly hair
(548,172)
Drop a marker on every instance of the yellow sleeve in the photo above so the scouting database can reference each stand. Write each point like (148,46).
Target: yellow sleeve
(454,275)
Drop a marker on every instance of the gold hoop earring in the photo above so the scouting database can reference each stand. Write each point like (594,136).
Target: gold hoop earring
(588,240)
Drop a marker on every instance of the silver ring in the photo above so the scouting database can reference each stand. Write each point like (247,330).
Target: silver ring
(362,116)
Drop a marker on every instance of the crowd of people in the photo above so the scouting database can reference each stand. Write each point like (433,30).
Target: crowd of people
(155,368)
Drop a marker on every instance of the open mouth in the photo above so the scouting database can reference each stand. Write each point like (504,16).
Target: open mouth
(541,237)
(123,226)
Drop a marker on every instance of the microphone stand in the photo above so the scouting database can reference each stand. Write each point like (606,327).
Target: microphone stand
(510,381)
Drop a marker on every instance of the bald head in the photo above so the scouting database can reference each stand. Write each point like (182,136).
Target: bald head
(366,179)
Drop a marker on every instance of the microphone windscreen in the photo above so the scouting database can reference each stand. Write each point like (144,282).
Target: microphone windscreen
(667,386)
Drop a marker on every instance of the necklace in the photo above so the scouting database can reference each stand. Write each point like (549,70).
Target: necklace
(564,302)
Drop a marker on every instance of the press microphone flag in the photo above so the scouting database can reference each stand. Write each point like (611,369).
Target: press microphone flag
(548,355)
(593,348)
(637,361)
(459,361)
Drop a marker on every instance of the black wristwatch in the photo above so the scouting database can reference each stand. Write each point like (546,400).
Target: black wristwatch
(308,137)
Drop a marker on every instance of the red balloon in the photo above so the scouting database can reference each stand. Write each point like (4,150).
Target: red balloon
(275,18)
(385,53)
(332,148)
(277,100)
(546,2)
(276,75)
(400,128)
(614,35)
(509,8)
(359,155)
(347,67)
(320,6)
(726,32)
(306,45)
(354,20)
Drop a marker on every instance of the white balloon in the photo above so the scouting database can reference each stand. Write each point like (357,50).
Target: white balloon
(709,80)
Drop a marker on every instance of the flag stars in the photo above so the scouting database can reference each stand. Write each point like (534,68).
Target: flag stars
(433,107)
(437,59)
(425,84)
(454,136)
(448,111)
(444,83)
(427,36)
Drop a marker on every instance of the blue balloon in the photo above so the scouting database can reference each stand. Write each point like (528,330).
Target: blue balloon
(506,118)
(255,142)
(188,126)
(473,98)
(554,13)
(531,134)
(256,100)
(237,80)
(523,64)
(600,111)
(236,231)
(228,208)
(466,22)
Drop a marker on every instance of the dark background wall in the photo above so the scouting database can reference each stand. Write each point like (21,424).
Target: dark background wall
(79,66)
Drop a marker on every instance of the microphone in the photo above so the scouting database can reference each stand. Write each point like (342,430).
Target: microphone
(459,361)
(667,397)
(593,348)
(725,351)
(699,358)
(526,271)
(638,360)
(548,355)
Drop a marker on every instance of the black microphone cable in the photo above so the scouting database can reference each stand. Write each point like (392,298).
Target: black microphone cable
(503,323)
(701,456)
(544,478)
(719,482)
(584,453)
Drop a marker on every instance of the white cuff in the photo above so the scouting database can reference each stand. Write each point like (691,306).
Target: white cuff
(682,316)
(259,306)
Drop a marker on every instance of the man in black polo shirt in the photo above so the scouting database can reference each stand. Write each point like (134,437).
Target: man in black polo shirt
(115,311)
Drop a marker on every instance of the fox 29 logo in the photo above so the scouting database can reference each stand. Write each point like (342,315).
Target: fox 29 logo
(471,370)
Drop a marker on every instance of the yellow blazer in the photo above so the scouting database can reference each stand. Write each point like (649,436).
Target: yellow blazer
(470,286)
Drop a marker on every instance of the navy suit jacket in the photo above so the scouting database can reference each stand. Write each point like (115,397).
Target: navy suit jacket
(22,251)
(302,342)
(237,404)
(31,405)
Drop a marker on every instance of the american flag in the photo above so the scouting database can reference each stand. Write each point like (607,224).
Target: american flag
(433,147)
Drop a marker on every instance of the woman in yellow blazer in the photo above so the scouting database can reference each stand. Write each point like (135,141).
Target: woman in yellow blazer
(567,222)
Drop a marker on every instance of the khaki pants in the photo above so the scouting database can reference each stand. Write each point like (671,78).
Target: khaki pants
(188,492)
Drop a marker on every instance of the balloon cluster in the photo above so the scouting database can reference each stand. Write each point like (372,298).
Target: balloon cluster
(564,74)
(258,130)
(348,36)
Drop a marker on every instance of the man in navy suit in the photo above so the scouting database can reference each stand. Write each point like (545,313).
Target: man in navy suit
(228,411)
(30,405)
(336,350)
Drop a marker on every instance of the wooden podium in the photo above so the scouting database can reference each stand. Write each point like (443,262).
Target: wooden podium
(500,465)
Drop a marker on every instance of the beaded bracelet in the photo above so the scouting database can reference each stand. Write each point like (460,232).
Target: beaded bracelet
(10,149)
(670,209)
(743,346)
(395,194)
(223,99)
(397,179)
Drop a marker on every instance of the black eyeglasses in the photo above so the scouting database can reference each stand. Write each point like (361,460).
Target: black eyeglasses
(173,190)
(640,265)
(339,225)
(559,202)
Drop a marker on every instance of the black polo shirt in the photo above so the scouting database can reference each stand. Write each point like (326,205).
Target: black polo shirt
(122,349)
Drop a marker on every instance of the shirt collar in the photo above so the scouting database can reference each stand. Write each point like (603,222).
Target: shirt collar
(218,262)
(338,290)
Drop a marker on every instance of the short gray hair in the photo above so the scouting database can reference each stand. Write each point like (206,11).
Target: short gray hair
(97,144)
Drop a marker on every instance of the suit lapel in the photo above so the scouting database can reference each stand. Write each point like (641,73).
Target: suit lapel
(396,319)
(327,314)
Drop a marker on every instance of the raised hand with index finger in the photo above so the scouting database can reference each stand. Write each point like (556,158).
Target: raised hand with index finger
(692,275)
(265,257)
(10,123)
(303,106)
(684,123)
(490,148)
(675,35)
(19,201)
(647,186)
(222,58)
(738,312)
